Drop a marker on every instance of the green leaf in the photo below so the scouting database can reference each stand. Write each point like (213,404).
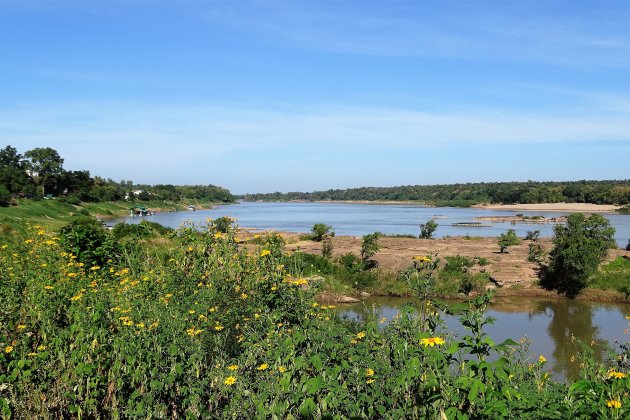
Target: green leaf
(308,407)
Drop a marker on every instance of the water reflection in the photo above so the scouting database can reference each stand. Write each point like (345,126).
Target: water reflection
(549,324)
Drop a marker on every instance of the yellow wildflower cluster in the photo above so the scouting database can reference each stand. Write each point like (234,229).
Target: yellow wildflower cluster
(613,404)
(192,331)
(432,341)
(616,375)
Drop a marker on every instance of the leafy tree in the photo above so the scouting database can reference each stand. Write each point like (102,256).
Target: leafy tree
(320,230)
(427,229)
(45,164)
(10,158)
(369,246)
(579,248)
(507,239)
(628,246)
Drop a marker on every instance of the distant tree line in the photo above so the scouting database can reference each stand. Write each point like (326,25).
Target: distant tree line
(597,192)
(39,173)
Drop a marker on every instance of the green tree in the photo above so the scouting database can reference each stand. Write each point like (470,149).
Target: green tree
(369,246)
(320,230)
(46,165)
(427,229)
(507,239)
(579,248)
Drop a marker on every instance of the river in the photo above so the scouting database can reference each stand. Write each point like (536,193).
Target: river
(548,324)
(361,219)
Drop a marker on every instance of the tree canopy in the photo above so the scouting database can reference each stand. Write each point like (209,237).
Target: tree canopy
(40,172)
(579,248)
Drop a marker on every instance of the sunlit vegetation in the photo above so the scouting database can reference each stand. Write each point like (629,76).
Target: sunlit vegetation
(39,173)
(196,324)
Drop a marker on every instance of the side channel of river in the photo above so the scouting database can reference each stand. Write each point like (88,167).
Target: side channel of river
(548,324)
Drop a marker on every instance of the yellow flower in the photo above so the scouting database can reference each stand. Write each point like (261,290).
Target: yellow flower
(41,347)
(230,380)
(243,295)
(265,252)
(432,341)
(233,367)
(542,359)
(613,403)
(360,335)
(193,331)
(191,312)
(76,297)
(382,321)
(264,366)
(369,372)
(95,267)
(617,375)
(218,327)
(21,327)
(8,349)
(282,369)
(218,235)
(370,381)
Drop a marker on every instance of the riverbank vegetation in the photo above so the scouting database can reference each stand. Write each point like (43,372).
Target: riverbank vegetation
(464,195)
(39,173)
(197,324)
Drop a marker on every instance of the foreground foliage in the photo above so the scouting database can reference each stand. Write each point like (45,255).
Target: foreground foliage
(208,327)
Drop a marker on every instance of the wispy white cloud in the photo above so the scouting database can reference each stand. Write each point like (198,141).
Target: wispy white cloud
(223,130)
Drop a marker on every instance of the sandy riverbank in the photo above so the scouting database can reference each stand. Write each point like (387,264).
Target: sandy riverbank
(564,207)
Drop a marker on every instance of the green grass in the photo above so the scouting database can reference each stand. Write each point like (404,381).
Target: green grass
(614,275)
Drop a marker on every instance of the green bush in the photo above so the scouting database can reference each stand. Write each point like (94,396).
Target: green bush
(369,246)
(507,239)
(579,248)
(319,231)
(427,229)
(85,238)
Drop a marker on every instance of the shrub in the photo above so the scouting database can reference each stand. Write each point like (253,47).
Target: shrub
(222,224)
(351,262)
(532,235)
(507,239)
(369,246)
(427,229)
(320,230)
(535,253)
(327,246)
(86,238)
(579,248)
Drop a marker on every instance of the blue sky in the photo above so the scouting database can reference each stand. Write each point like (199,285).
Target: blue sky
(261,96)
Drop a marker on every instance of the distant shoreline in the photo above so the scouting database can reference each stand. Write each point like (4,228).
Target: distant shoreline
(558,207)
(561,207)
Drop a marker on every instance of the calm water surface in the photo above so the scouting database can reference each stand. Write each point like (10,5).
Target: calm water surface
(547,323)
(361,219)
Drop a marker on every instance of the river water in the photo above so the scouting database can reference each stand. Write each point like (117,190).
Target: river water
(361,219)
(548,324)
